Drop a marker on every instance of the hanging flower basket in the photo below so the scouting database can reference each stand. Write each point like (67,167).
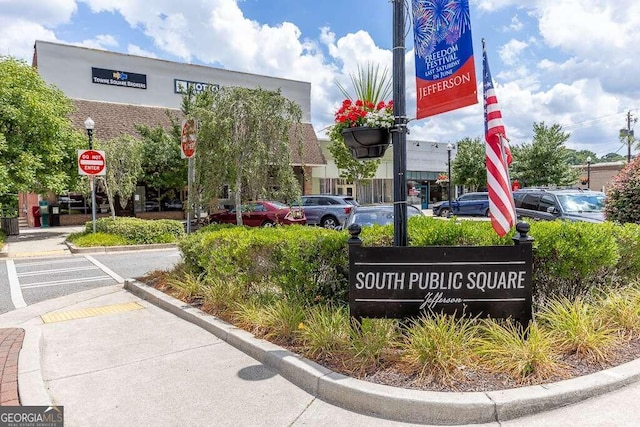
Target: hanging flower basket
(366,142)
(442,179)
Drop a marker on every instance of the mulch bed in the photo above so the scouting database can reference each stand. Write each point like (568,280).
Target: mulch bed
(394,372)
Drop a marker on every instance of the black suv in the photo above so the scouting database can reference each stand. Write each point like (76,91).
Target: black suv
(568,204)
(327,210)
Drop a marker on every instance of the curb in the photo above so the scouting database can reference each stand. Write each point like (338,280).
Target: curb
(399,404)
(103,249)
(30,383)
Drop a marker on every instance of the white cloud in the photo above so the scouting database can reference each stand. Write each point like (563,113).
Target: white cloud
(510,52)
(515,25)
(571,63)
(133,49)
(47,13)
(493,5)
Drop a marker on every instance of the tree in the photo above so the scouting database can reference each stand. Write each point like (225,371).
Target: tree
(469,168)
(123,156)
(38,144)
(163,169)
(545,160)
(576,157)
(244,141)
(372,85)
(613,157)
(623,201)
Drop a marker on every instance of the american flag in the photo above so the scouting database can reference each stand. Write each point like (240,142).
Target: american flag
(498,158)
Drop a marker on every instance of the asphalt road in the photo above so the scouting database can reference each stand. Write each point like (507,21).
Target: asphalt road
(26,281)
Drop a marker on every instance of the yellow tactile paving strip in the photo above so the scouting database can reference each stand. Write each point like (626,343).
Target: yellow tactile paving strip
(90,312)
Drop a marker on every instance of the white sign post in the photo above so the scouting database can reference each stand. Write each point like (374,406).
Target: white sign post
(188,142)
(92,163)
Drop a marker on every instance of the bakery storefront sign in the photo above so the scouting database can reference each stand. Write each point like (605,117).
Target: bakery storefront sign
(398,282)
(181,86)
(118,78)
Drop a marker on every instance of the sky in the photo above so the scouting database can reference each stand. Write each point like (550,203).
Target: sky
(571,62)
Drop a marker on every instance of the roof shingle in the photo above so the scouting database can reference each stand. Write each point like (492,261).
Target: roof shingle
(112,120)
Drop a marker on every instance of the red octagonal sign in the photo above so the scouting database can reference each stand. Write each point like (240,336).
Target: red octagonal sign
(91,162)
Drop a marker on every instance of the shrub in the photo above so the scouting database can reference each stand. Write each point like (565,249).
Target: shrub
(578,328)
(440,345)
(304,264)
(140,231)
(220,297)
(623,197)
(370,338)
(325,331)
(282,319)
(620,308)
(571,258)
(522,354)
(89,239)
(188,286)
(628,238)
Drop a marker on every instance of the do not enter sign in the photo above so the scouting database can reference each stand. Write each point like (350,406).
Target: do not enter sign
(189,138)
(91,162)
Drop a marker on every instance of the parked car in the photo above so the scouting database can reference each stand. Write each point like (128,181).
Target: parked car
(367,216)
(476,204)
(173,204)
(327,210)
(151,205)
(569,204)
(261,214)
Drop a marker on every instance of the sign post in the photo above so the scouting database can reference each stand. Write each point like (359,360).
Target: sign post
(188,141)
(92,163)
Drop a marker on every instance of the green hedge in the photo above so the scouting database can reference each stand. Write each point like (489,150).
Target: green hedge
(140,231)
(311,264)
(304,263)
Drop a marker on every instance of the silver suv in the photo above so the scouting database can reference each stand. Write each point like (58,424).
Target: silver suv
(568,204)
(327,210)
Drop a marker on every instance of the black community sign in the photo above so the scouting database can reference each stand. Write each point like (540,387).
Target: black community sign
(399,282)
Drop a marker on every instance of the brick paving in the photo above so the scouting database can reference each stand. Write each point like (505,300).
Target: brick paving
(10,345)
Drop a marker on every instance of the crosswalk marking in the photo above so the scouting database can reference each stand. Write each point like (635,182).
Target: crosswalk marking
(104,268)
(14,285)
(53,271)
(65,282)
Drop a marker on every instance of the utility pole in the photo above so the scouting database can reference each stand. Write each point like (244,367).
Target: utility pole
(629,134)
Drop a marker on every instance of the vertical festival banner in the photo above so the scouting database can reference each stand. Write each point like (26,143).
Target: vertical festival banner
(445,70)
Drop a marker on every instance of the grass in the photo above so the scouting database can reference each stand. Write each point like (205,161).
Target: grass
(325,331)
(522,354)
(440,346)
(578,327)
(621,310)
(85,239)
(435,348)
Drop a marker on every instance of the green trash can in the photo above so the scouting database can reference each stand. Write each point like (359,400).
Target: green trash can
(44,213)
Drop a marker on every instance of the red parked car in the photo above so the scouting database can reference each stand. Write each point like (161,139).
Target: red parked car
(261,214)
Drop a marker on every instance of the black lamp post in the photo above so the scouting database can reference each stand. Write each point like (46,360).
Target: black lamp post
(89,124)
(399,131)
(449,148)
(589,173)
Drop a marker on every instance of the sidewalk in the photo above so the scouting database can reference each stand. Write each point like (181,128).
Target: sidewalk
(114,357)
(36,241)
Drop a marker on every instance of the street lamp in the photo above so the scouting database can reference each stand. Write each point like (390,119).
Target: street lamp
(449,148)
(88,125)
(589,173)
